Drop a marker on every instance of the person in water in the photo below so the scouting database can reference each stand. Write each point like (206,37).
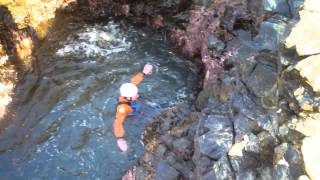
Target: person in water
(127,104)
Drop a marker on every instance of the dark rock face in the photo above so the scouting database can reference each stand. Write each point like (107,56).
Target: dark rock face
(214,136)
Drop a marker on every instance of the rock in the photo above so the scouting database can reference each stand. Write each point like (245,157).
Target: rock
(243,126)
(165,172)
(311,155)
(277,6)
(222,169)
(303,177)
(260,75)
(281,171)
(214,136)
(203,165)
(306,100)
(312,5)
(202,2)
(310,125)
(247,175)
(295,6)
(249,161)
(215,44)
(305,36)
(182,147)
(310,69)
(272,32)
(293,158)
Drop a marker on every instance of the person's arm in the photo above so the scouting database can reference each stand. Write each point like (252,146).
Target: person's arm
(122,113)
(136,80)
(147,69)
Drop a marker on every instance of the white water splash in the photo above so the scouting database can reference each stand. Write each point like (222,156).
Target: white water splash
(97,41)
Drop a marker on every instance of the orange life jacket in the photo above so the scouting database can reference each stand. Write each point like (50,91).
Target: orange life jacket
(123,108)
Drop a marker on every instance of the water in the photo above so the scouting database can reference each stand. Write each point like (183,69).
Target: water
(64,130)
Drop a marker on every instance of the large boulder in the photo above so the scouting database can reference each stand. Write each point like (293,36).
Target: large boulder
(305,36)
(310,69)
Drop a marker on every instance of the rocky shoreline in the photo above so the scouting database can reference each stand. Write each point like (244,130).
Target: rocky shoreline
(257,116)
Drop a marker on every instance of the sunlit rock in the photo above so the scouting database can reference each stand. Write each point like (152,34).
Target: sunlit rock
(311,156)
(312,5)
(310,69)
(305,36)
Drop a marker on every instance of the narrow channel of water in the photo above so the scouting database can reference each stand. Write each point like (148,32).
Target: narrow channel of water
(65,129)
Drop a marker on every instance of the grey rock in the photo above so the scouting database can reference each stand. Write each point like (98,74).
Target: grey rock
(215,44)
(222,169)
(272,32)
(243,125)
(277,6)
(282,172)
(247,175)
(182,147)
(214,136)
(165,172)
(295,6)
(260,74)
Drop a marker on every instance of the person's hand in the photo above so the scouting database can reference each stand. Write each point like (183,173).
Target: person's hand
(122,144)
(147,69)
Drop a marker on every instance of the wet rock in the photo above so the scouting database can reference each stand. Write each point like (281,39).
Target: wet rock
(165,172)
(305,36)
(277,6)
(214,136)
(310,68)
(222,169)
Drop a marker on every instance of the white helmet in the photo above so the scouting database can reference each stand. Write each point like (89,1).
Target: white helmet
(128,90)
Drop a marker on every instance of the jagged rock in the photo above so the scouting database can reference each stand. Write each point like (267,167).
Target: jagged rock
(165,172)
(214,136)
(293,158)
(203,165)
(310,68)
(215,44)
(247,175)
(306,100)
(222,169)
(272,32)
(241,164)
(277,6)
(182,147)
(295,6)
(243,125)
(281,171)
(260,75)
(305,36)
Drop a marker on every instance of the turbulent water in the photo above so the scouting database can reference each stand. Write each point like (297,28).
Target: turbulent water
(64,130)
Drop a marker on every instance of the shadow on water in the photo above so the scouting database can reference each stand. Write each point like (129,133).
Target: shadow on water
(60,120)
